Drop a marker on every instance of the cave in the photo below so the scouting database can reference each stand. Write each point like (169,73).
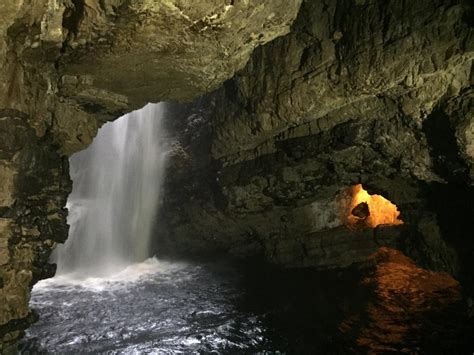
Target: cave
(362,209)
(278,176)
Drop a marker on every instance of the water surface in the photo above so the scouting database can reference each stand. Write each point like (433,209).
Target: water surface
(177,307)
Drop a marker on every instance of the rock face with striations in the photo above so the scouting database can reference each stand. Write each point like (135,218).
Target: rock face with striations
(66,67)
(371,92)
(355,91)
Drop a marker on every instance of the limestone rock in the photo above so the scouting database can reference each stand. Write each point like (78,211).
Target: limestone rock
(354,92)
(66,68)
(373,92)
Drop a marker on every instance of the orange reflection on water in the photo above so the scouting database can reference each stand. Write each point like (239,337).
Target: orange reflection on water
(405,299)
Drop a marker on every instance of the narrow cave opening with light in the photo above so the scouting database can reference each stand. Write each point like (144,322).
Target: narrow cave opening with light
(369,210)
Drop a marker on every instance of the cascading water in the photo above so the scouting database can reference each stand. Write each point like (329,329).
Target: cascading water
(116,186)
(107,299)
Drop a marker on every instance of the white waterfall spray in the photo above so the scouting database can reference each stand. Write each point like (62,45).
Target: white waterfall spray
(115,197)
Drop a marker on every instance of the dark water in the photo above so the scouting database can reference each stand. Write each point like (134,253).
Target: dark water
(173,308)
(153,307)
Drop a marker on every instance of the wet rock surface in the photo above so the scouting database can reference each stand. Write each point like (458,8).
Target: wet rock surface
(259,165)
(371,92)
(35,187)
(67,67)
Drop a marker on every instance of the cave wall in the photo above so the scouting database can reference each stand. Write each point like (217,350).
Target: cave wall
(356,91)
(35,186)
(348,98)
(69,66)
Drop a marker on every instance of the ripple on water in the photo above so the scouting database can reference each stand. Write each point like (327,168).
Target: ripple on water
(388,304)
(154,306)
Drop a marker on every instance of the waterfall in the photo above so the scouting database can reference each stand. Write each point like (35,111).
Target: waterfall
(115,195)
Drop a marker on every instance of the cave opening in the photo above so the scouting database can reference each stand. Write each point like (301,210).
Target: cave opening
(361,209)
(115,196)
(222,232)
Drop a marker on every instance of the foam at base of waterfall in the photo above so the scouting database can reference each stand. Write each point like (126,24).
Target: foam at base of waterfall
(121,278)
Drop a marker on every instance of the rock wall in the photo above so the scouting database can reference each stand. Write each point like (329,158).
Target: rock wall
(371,92)
(67,67)
(357,91)
(36,184)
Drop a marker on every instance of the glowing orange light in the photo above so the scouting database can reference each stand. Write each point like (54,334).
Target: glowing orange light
(380,210)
